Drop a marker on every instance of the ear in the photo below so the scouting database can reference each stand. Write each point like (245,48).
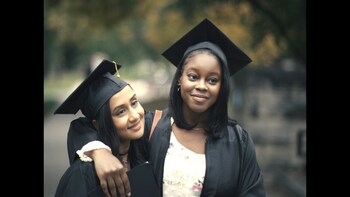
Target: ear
(179,81)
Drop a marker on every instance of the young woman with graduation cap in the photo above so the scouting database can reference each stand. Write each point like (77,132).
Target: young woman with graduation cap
(196,149)
(110,106)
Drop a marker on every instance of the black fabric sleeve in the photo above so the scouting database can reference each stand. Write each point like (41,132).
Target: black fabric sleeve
(79,179)
(81,132)
(252,179)
(72,183)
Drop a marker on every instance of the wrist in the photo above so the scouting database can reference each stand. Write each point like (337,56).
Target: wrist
(86,153)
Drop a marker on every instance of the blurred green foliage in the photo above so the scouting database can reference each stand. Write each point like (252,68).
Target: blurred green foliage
(49,106)
(130,31)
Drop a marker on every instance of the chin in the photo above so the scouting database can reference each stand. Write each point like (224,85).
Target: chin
(139,134)
(200,109)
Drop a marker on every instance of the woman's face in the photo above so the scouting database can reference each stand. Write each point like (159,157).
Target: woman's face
(127,114)
(200,82)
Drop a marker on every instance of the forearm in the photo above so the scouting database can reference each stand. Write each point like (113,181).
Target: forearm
(86,152)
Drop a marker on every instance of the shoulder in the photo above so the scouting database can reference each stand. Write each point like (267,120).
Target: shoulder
(149,117)
(235,129)
(80,125)
(150,114)
(79,121)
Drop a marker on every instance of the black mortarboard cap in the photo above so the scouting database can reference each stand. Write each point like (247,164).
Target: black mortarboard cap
(94,91)
(207,35)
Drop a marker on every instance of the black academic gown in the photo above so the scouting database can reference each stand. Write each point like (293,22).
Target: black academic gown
(79,179)
(232,169)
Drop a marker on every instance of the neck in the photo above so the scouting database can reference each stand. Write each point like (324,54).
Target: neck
(124,147)
(201,119)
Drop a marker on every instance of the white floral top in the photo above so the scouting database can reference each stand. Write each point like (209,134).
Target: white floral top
(184,171)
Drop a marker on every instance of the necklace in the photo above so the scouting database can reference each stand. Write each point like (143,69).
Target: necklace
(124,160)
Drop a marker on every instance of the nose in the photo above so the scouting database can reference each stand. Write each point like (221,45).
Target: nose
(134,115)
(201,85)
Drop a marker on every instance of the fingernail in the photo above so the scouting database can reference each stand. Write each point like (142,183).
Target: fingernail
(128,194)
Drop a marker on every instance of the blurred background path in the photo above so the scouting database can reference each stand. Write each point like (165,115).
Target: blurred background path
(55,150)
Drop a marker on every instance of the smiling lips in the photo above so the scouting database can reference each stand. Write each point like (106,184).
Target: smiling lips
(136,126)
(200,98)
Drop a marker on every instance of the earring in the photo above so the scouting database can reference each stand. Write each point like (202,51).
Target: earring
(178,87)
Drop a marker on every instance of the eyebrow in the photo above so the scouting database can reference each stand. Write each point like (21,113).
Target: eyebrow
(210,73)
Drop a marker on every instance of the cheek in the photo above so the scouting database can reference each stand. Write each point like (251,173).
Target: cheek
(140,110)
(214,92)
(120,124)
(185,91)
(187,86)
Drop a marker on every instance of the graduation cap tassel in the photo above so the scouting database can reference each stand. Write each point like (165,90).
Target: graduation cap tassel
(116,68)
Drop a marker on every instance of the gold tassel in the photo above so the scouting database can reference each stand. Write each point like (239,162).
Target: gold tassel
(116,68)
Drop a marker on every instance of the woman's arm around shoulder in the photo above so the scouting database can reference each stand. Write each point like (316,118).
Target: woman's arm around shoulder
(80,132)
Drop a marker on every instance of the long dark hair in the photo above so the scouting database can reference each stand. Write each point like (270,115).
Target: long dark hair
(218,119)
(105,129)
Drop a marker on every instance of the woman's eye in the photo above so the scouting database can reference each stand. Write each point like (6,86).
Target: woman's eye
(120,112)
(134,102)
(192,77)
(213,81)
